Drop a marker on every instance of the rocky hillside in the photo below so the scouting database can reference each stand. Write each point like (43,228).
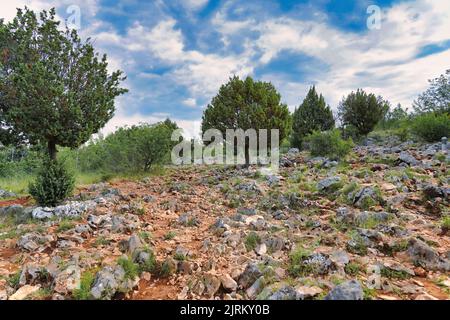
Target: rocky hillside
(373,227)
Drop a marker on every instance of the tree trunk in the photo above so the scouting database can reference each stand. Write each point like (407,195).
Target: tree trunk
(247,155)
(52,149)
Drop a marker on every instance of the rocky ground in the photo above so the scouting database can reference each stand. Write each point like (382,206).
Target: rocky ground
(371,227)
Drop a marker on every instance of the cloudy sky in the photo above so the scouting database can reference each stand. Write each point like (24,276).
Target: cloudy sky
(177,53)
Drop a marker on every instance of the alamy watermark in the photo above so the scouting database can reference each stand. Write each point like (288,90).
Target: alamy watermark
(374,19)
(232,147)
(73,20)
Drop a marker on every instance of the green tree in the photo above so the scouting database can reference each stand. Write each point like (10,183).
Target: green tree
(394,117)
(247,104)
(437,97)
(362,111)
(312,115)
(54,88)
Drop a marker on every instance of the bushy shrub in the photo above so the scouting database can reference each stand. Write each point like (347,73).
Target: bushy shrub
(129,149)
(329,144)
(431,126)
(53,184)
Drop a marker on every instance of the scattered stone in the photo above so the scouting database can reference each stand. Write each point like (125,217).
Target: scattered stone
(228,283)
(306,292)
(249,276)
(432,192)
(24,292)
(255,288)
(6,194)
(407,158)
(349,290)
(261,249)
(284,293)
(68,280)
(329,184)
(32,241)
(423,255)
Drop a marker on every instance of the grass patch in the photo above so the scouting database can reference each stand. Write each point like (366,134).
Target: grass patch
(395,274)
(101,241)
(252,240)
(445,223)
(296,267)
(131,269)
(84,292)
(65,225)
(170,235)
(352,268)
(13,280)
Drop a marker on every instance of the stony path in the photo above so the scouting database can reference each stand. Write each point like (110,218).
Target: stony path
(370,228)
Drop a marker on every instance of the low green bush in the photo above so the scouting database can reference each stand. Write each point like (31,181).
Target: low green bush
(329,144)
(53,184)
(432,127)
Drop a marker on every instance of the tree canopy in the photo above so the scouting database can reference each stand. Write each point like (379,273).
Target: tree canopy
(54,88)
(362,111)
(247,104)
(437,97)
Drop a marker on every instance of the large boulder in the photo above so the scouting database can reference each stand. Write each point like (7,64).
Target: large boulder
(407,158)
(423,255)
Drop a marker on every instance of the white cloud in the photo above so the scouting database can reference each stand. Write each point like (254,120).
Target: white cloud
(190,102)
(194,4)
(381,61)
(191,128)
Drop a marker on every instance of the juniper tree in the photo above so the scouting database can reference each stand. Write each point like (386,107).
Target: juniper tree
(247,104)
(312,115)
(55,89)
(362,111)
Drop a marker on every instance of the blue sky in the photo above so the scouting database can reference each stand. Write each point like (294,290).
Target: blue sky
(177,53)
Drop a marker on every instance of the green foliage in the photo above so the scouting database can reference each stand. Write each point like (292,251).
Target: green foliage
(393,118)
(352,268)
(329,144)
(55,89)
(84,292)
(129,149)
(131,269)
(362,111)
(247,104)
(437,97)
(312,115)
(296,266)
(150,265)
(167,269)
(170,235)
(432,126)
(445,223)
(252,240)
(18,161)
(13,280)
(394,274)
(65,225)
(53,184)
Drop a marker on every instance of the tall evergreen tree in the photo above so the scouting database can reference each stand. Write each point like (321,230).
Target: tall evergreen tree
(312,115)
